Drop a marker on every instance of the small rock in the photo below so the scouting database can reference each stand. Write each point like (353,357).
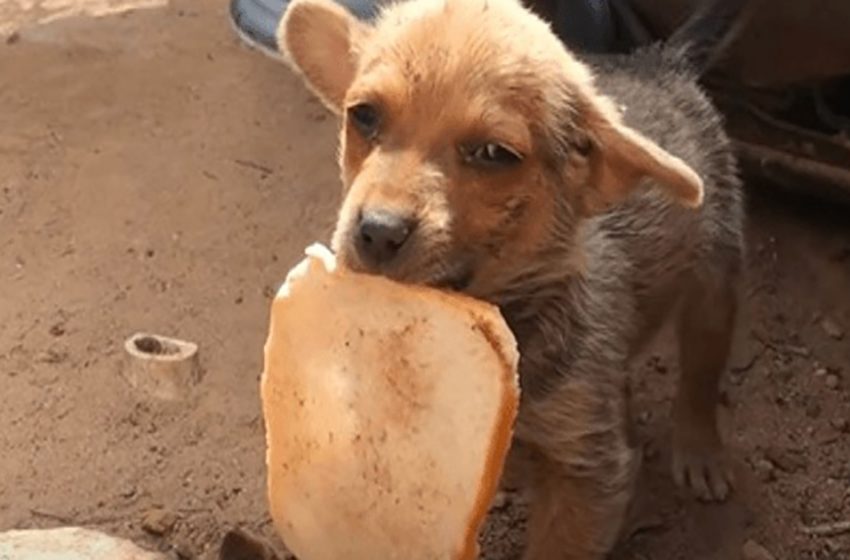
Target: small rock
(13,38)
(820,372)
(831,328)
(786,460)
(158,521)
(754,551)
(833,381)
(53,356)
(57,330)
(840,424)
(800,351)
(764,470)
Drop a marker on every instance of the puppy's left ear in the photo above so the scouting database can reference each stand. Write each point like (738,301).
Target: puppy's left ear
(320,38)
(621,159)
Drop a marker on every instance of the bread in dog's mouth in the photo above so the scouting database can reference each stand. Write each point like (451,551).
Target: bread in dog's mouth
(389,411)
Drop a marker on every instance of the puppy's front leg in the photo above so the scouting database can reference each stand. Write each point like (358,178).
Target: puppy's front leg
(580,471)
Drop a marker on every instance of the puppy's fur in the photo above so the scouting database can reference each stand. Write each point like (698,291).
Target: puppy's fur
(589,209)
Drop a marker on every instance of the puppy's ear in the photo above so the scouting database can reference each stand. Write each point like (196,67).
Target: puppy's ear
(320,38)
(621,159)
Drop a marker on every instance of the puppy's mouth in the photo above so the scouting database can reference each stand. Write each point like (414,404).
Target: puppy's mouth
(456,282)
(457,278)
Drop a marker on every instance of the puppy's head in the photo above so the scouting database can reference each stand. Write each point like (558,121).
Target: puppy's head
(473,143)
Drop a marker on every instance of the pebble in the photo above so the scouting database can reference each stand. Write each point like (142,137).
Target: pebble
(158,521)
(800,351)
(786,460)
(754,551)
(820,372)
(832,329)
(833,381)
(764,470)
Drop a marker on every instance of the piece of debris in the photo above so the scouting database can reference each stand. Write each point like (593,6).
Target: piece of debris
(13,38)
(764,470)
(831,328)
(158,521)
(786,460)
(754,551)
(828,529)
(799,351)
(166,368)
(53,357)
(833,381)
(69,543)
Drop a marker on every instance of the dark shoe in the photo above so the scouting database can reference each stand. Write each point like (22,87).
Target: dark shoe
(598,26)
(256,21)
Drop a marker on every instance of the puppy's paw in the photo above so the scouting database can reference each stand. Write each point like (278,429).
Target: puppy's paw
(703,468)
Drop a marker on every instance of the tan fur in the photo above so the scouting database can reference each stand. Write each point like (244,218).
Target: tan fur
(587,244)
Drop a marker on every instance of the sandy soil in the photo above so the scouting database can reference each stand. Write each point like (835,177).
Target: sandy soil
(156,175)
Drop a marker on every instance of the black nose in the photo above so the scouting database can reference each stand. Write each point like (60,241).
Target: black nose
(381,234)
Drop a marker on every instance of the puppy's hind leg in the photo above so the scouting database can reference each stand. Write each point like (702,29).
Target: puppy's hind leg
(705,331)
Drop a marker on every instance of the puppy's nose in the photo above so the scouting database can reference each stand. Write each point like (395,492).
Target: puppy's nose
(381,234)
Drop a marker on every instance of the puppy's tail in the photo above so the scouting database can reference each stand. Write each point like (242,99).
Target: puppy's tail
(703,38)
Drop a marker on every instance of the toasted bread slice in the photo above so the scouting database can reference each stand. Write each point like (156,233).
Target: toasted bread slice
(389,411)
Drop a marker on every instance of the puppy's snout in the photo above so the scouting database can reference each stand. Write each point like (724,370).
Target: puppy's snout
(381,235)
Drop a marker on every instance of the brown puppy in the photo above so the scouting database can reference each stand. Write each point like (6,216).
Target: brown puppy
(478,154)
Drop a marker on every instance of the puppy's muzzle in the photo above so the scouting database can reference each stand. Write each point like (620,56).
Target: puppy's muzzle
(380,235)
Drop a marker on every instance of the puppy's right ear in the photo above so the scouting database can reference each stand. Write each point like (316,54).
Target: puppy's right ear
(320,38)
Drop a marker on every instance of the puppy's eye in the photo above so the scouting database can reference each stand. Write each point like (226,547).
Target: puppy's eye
(491,154)
(365,118)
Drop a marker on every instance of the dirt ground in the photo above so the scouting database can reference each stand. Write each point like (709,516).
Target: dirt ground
(156,175)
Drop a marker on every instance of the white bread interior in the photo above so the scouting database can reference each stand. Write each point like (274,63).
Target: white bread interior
(389,411)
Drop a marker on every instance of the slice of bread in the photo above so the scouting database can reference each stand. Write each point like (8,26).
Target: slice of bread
(389,412)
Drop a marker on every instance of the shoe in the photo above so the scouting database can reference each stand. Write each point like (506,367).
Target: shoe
(256,21)
(596,26)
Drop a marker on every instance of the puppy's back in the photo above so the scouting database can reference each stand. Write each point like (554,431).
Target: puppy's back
(659,95)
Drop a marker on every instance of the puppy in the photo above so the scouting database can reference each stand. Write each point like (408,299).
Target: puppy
(479,155)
